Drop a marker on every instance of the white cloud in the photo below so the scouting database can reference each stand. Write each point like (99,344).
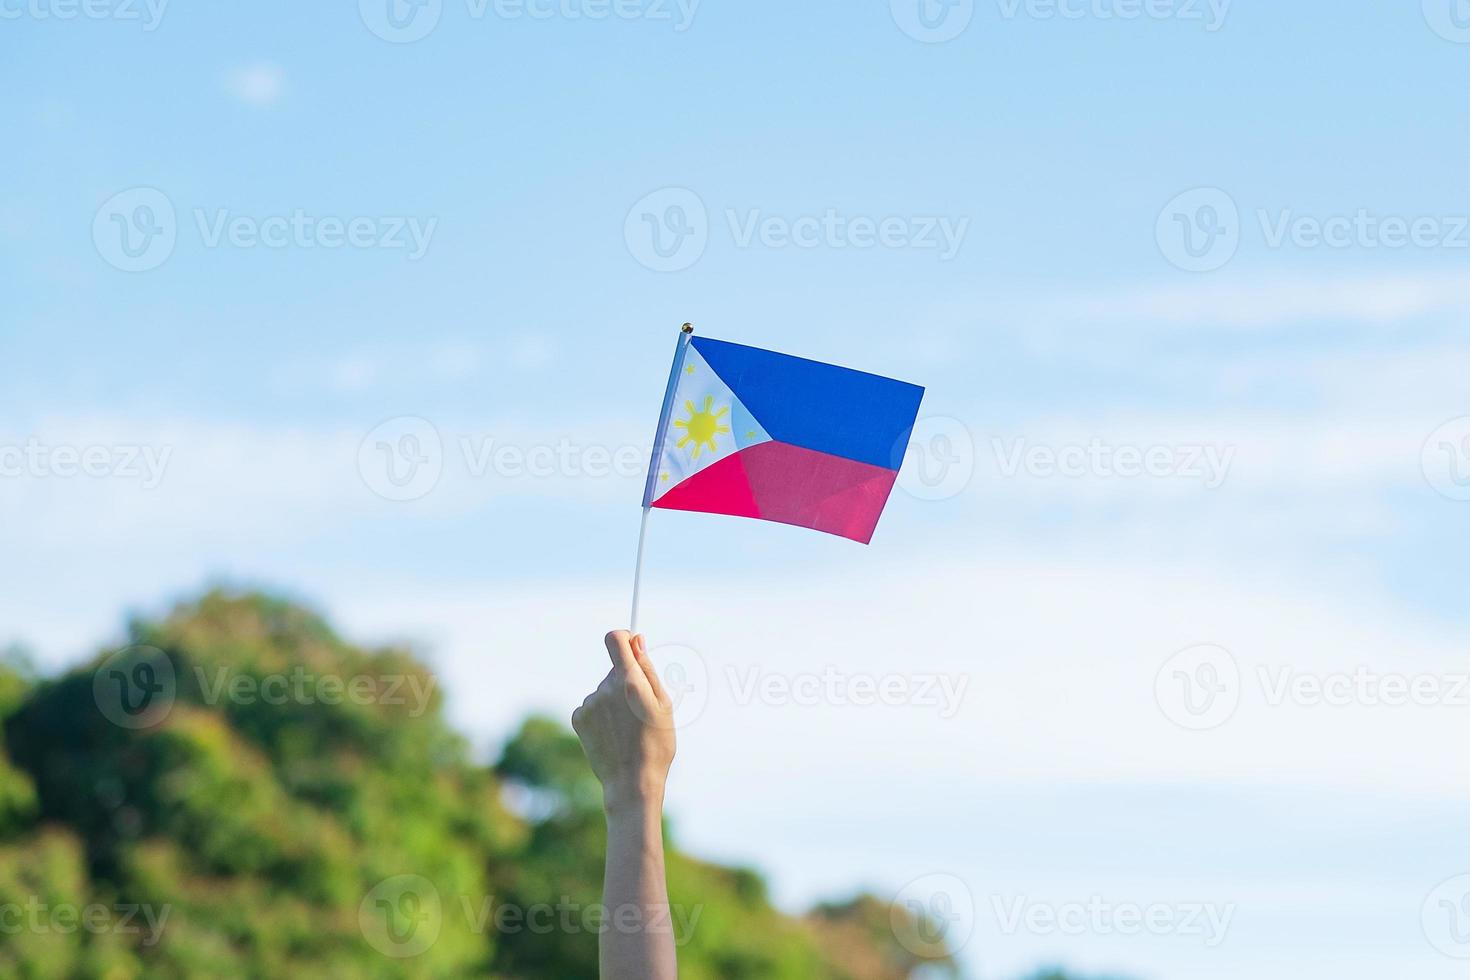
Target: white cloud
(420,366)
(1256,303)
(1062,662)
(260,85)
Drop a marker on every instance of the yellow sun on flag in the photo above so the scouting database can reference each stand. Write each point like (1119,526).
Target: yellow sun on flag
(702,426)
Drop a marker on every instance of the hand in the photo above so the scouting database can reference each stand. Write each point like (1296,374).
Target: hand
(627,727)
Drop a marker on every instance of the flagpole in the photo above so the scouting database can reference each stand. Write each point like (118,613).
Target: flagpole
(686,334)
(638,572)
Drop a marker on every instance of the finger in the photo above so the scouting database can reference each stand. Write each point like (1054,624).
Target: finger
(621,652)
(640,650)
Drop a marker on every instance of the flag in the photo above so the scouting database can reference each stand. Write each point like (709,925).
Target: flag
(753,433)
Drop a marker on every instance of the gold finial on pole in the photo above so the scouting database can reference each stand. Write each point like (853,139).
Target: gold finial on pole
(688,328)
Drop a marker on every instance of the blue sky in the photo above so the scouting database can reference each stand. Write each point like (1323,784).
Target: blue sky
(1067,150)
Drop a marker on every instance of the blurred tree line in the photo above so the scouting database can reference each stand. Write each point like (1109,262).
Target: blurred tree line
(153,826)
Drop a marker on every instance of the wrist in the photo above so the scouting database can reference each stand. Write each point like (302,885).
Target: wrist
(639,799)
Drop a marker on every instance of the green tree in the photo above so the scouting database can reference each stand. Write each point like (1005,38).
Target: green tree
(343,837)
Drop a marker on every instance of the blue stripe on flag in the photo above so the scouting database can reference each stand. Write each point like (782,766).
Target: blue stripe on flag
(822,407)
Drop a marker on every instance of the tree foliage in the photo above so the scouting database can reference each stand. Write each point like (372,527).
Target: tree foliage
(254,837)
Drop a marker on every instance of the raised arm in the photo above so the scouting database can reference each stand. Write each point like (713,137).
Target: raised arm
(626,727)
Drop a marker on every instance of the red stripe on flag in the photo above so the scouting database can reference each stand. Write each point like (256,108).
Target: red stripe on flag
(776,481)
(828,493)
(720,488)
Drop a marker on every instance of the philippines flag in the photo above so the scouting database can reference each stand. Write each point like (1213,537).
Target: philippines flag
(753,433)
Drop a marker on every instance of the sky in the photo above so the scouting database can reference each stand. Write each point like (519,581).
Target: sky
(1155,666)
